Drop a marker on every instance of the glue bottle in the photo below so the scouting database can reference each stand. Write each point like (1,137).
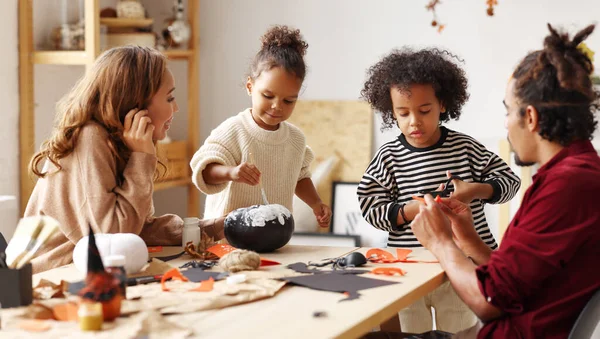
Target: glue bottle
(115,265)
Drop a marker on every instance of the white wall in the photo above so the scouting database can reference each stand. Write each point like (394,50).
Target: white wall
(9,97)
(345,37)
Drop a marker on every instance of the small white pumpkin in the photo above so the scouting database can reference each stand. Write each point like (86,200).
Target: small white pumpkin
(127,244)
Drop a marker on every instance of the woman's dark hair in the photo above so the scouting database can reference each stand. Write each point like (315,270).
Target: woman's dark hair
(281,47)
(557,82)
(404,68)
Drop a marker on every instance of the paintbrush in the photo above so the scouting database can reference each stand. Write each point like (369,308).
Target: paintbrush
(23,240)
(262,189)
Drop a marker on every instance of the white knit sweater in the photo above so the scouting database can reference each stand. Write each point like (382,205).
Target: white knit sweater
(282,157)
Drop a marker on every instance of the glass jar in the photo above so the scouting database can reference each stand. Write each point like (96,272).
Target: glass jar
(191,232)
(90,316)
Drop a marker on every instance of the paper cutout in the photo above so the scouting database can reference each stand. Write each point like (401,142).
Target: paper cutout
(33,325)
(66,311)
(388,271)
(46,289)
(154,249)
(172,274)
(301,267)
(377,255)
(221,249)
(205,286)
(334,282)
(154,267)
(198,275)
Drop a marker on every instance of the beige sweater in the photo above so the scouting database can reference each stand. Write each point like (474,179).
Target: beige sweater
(85,192)
(282,156)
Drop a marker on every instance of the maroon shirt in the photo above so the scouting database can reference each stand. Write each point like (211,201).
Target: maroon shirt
(548,264)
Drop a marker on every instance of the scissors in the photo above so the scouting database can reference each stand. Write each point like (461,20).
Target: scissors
(443,193)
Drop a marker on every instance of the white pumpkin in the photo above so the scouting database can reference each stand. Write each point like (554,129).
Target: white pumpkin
(127,244)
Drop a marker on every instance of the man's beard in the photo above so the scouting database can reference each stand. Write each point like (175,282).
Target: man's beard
(518,160)
(522,163)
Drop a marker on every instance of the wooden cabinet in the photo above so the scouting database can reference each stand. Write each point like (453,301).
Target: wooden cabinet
(180,151)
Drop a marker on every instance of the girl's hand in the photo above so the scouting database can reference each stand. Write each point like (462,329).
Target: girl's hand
(323,214)
(245,173)
(138,130)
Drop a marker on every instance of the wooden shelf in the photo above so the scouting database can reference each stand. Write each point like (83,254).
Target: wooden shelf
(178,54)
(80,57)
(162,185)
(60,57)
(126,23)
(28,56)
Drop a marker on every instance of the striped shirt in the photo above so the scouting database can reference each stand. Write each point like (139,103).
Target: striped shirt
(399,171)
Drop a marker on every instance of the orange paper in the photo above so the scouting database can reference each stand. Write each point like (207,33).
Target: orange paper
(388,271)
(66,311)
(221,249)
(377,255)
(155,249)
(205,286)
(437,199)
(173,274)
(33,325)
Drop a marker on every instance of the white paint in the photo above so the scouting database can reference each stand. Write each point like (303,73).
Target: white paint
(259,216)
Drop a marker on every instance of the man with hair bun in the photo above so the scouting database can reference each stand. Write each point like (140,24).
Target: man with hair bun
(546,268)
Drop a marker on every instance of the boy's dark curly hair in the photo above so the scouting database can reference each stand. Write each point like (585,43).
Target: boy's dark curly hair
(557,82)
(405,67)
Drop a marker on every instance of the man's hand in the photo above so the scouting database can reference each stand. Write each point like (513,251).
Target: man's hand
(431,226)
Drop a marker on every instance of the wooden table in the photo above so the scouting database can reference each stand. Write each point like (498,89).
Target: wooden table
(289,314)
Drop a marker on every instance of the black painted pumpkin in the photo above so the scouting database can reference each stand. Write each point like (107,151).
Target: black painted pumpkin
(259,228)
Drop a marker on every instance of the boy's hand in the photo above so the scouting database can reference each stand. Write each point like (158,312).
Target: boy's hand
(463,191)
(245,173)
(323,214)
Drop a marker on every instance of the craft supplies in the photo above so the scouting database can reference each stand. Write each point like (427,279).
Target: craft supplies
(221,250)
(260,228)
(204,264)
(30,235)
(115,265)
(262,189)
(191,231)
(353,259)
(143,280)
(240,260)
(445,192)
(101,286)
(129,245)
(90,316)
(236,279)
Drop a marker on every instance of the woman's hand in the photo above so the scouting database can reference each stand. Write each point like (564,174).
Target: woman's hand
(137,133)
